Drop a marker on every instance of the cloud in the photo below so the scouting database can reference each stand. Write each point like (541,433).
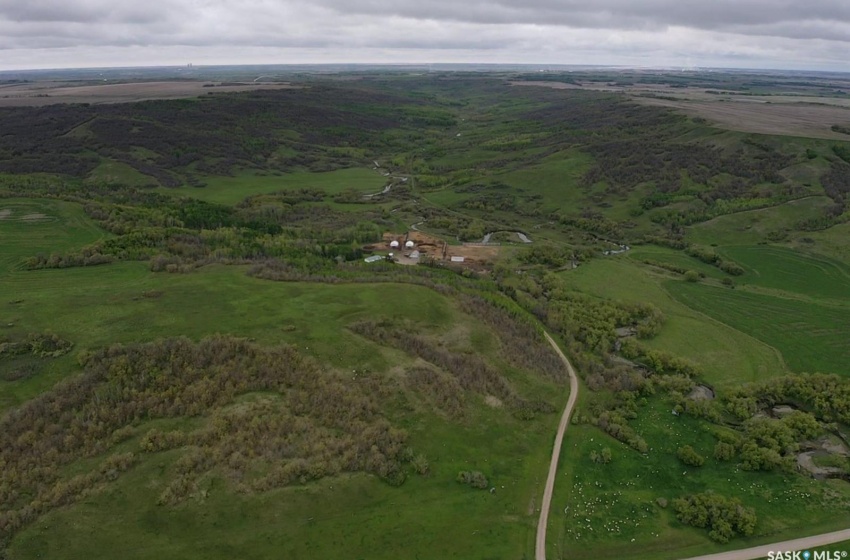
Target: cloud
(773,33)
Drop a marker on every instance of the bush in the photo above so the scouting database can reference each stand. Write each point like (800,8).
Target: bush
(476,479)
(724,517)
(690,457)
(420,464)
(724,451)
(730,267)
(692,276)
(602,457)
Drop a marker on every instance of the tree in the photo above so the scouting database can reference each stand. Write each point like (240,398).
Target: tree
(724,451)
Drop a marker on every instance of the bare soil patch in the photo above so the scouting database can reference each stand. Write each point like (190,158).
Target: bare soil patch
(792,119)
(806,116)
(49,93)
(492,401)
(553,85)
(34,218)
(428,246)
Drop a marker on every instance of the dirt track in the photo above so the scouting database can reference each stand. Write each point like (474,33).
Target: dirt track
(540,546)
(804,543)
(753,553)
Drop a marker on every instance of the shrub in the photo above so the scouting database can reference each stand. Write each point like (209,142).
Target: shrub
(692,276)
(730,267)
(724,517)
(420,464)
(476,479)
(690,457)
(724,451)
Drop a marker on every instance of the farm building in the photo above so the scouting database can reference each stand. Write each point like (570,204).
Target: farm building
(458,259)
(394,244)
(409,245)
(373,258)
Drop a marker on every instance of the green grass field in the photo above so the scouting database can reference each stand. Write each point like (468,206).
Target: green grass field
(831,242)
(353,516)
(610,510)
(754,226)
(110,172)
(230,190)
(727,355)
(791,271)
(555,178)
(811,336)
(676,258)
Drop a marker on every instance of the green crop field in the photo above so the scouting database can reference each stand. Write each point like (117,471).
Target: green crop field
(811,336)
(792,271)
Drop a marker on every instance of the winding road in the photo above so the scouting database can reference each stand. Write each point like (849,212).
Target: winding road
(753,553)
(540,546)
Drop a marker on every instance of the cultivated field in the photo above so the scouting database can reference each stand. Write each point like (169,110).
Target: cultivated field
(811,336)
(799,118)
(802,114)
(49,93)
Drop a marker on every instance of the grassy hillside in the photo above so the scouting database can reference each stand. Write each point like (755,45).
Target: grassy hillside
(196,361)
(98,306)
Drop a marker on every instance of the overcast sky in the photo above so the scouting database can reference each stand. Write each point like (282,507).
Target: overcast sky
(792,34)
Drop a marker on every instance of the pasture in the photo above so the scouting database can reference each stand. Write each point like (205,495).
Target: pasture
(675,258)
(755,226)
(727,355)
(611,510)
(483,156)
(350,516)
(115,172)
(230,190)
